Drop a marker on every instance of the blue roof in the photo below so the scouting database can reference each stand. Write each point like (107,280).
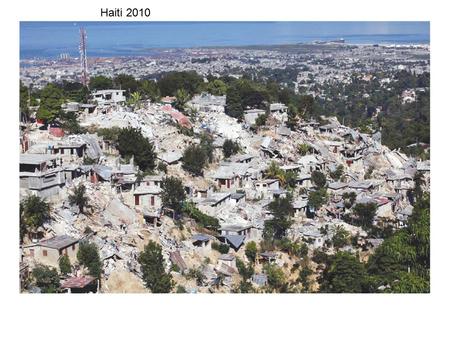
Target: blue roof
(260,279)
(235,240)
(200,238)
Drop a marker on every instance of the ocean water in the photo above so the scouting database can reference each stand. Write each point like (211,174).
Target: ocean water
(49,39)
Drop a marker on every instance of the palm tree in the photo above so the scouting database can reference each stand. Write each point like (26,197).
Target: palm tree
(182,98)
(274,171)
(150,90)
(135,99)
(79,198)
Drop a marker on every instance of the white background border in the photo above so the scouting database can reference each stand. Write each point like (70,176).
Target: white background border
(226,315)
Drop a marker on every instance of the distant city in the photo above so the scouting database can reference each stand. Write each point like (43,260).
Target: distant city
(107,39)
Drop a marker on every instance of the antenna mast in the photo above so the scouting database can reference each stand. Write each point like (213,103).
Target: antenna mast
(83,57)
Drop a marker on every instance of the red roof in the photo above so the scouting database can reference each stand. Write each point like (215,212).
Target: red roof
(180,118)
(56,131)
(167,108)
(77,282)
(168,99)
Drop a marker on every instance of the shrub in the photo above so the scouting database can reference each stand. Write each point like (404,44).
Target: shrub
(46,278)
(251,251)
(275,276)
(194,159)
(131,142)
(246,271)
(64,265)
(88,256)
(202,219)
(318,179)
(230,148)
(336,175)
(221,247)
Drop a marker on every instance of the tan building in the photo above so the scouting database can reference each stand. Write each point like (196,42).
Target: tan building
(49,251)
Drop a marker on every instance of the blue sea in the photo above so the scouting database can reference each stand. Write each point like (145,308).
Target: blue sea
(50,39)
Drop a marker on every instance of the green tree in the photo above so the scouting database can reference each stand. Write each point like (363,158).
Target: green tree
(349,198)
(182,97)
(126,82)
(273,170)
(344,274)
(181,289)
(52,98)
(79,198)
(303,149)
(201,218)
(364,214)
(282,210)
(230,148)
(393,256)
(251,251)
(244,287)
(150,90)
(293,117)
(341,238)
(131,142)
(24,98)
(135,99)
(304,277)
(89,257)
(194,159)
(173,194)
(206,143)
(318,179)
(100,82)
(152,267)
(110,134)
(317,198)
(197,275)
(404,253)
(233,106)
(64,265)
(223,248)
(303,252)
(410,283)
(419,234)
(217,87)
(170,82)
(70,123)
(34,212)
(419,181)
(306,106)
(246,271)
(81,95)
(336,175)
(275,277)
(261,120)
(46,278)
(290,179)
(369,172)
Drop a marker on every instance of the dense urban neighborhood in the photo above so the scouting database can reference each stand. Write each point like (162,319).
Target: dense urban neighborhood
(260,169)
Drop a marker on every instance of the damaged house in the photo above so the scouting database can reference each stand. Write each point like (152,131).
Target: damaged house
(49,251)
(41,174)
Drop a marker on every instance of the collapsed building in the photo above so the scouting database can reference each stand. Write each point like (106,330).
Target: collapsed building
(236,191)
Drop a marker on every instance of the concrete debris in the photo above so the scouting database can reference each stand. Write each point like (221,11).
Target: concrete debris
(236,191)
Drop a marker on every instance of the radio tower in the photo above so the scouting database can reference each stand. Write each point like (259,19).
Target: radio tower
(83,57)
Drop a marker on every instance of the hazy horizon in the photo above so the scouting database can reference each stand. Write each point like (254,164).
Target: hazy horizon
(49,39)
